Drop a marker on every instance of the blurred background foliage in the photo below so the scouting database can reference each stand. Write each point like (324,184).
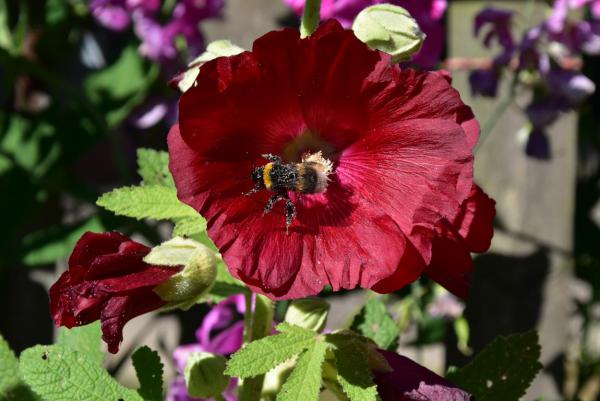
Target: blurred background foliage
(77,100)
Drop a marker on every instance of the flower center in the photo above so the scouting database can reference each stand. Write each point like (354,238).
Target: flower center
(305,144)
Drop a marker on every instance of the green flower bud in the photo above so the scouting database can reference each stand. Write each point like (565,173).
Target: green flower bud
(204,377)
(218,48)
(390,29)
(308,313)
(187,287)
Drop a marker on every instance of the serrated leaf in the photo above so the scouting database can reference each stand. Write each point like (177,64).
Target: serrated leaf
(146,202)
(153,167)
(189,226)
(354,374)
(258,357)
(9,368)
(85,340)
(304,382)
(375,322)
(58,374)
(11,386)
(503,370)
(149,371)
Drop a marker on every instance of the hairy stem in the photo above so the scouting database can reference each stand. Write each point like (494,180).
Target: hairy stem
(310,17)
(258,323)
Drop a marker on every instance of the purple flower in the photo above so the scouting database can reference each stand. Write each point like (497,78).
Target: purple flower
(410,381)
(538,145)
(484,82)
(500,22)
(116,14)
(158,39)
(571,86)
(112,14)
(428,13)
(585,37)
(221,332)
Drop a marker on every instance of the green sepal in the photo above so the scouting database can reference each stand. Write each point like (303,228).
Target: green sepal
(390,29)
(204,375)
(185,288)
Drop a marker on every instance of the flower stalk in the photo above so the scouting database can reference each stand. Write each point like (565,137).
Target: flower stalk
(310,17)
(258,323)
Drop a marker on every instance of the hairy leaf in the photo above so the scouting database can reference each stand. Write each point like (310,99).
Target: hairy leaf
(85,340)
(354,374)
(375,322)
(153,167)
(149,371)
(304,382)
(503,370)
(146,202)
(57,374)
(189,226)
(265,354)
(12,387)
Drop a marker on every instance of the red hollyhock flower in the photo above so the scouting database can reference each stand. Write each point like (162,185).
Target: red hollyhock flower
(400,142)
(107,280)
(410,381)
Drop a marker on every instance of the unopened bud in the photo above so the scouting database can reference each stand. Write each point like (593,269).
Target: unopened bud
(186,288)
(390,29)
(308,313)
(218,48)
(204,377)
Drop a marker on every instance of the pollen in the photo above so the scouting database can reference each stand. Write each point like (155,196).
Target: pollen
(326,164)
(314,173)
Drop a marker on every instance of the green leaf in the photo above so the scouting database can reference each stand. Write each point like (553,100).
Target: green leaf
(12,387)
(146,202)
(53,243)
(354,375)
(190,226)
(149,371)
(503,370)
(85,339)
(375,322)
(153,167)
(225,285)
(58,374)
(304,382)
(118,89)
(6,40)
(9,368)
(265,354)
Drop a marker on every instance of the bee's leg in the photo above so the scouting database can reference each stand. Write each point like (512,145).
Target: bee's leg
(290,214)
(272,158)
(271,202)
(257,187)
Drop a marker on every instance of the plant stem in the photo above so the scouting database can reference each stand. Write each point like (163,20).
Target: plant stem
(257,324)
(310,17)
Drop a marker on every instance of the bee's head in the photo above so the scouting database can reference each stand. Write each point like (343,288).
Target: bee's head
(257,175)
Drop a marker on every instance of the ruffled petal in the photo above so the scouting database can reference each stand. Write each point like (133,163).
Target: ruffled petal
(107,280)
(401,144)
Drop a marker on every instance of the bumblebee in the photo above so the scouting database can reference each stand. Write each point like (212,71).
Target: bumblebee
(310,176)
